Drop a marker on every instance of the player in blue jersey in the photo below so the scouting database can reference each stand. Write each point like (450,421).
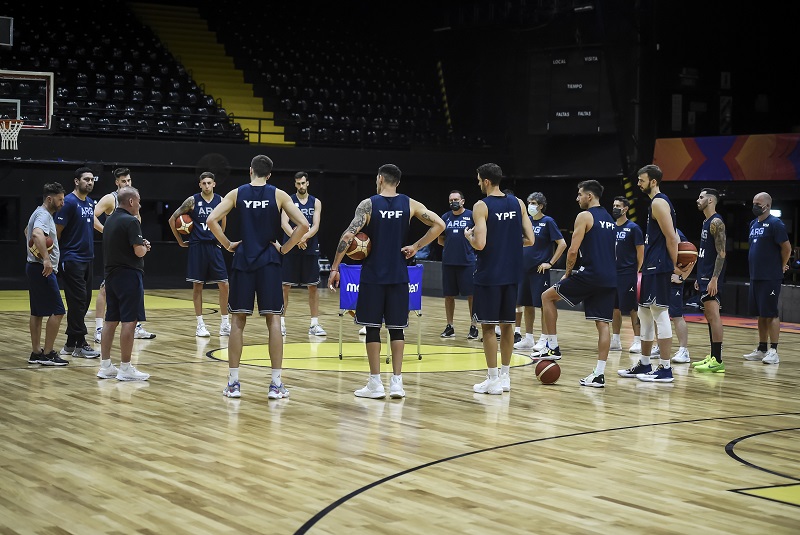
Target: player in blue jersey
(301,264)
(630,254)
(256,267)
(660,256)
(76,223)
(383,287)
(677,279)
(41,272)
(206,264)
(501,229)
(590,277)
(710,269)
(458,262)
(768,256)
(537,261)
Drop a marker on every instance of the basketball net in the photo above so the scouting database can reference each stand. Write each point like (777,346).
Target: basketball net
(9,132)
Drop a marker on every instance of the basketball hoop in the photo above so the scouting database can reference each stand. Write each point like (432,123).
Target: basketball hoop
(9,132)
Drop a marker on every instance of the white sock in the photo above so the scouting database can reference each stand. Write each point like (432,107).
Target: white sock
(233,375)
(614,338)
(664,363)
(637,339)
(283,323)
(314,321)
(276,377)
(645,359)
(124,366)
(529,337)
(600,369)
(225,319)
(98,323)
(504,370)
(552,341)
(375,377)
(517,330)
(493,372)
(200,320)
(682,348)
(105,363)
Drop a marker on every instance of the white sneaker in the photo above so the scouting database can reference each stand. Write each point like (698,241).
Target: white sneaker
(615,346)
(755,355)
(396,387)
(635,348)
(132,374)
(540,344)
(374,390)
(491,386)
(505,382)
(98,335)
(526,344)
(771,357)
(141,334)
(682,356)
(107,372)
(656,351)
(316,330)
(202,331)
(362,331)
(225,329)
(277,391)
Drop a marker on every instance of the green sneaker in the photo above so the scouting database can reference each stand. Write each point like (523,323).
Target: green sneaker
(712,367)
(702,362)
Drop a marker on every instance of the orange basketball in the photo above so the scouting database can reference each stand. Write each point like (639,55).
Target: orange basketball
(687,254)
(183,224)
(548,372)
(35,251)
(360,247)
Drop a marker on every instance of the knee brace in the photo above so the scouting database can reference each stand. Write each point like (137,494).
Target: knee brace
(648,329)
(396,334)
(373,334)
(663,323)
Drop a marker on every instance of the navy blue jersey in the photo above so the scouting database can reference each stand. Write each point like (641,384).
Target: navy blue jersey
(500,261)
(77,236)
(681,235)
(656,255)
(457,250)
(707,254)
(199,215)
(546,233)
(765,239)
(387,231)
(260,225)
(597,257)
(629,236)
(308,209)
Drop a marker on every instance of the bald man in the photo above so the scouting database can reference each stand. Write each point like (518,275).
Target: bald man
(769,260)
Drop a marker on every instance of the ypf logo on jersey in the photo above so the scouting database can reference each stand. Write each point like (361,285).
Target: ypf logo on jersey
(506,216)
(256,204)
(391,214)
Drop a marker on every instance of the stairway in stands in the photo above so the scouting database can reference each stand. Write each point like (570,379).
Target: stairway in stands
(187,37)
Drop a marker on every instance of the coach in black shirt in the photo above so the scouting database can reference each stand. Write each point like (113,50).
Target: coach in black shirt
(123,260)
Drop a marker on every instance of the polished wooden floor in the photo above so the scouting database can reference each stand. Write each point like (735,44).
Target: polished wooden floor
(172,455)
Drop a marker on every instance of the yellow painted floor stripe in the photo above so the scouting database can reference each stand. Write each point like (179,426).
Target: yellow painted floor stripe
(787,494)
(324,356)
(18,301)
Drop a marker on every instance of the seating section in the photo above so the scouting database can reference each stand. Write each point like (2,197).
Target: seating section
(112,76)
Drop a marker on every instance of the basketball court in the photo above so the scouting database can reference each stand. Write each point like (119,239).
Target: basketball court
(707,453)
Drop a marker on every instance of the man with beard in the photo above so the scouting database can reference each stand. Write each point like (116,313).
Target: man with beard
(75,224)
(710,267)
(500,229)
(660,257)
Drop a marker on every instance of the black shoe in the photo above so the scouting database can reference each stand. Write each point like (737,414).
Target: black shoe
(36,357)
(596,381)
(517,337)
(550,354)
(52,359)
(473,332)
(448,332)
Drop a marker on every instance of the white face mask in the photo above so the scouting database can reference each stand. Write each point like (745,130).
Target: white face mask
(533,210)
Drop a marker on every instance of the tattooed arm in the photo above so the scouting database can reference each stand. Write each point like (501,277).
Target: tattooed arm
(185,208)
(360,220)
(718,231)
(433,221)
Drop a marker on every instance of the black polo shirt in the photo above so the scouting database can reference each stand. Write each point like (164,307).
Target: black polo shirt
(121,232)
